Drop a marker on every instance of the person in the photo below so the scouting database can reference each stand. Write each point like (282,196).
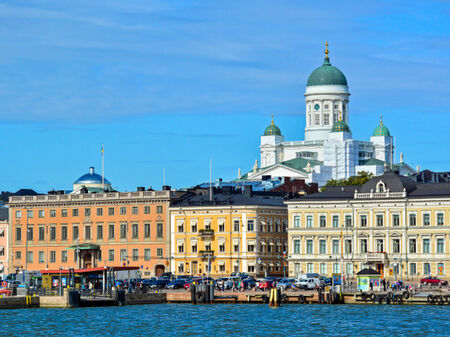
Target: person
(383,281)
(242,286)
(371,286)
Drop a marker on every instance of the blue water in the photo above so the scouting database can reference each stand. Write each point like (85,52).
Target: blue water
(230,319)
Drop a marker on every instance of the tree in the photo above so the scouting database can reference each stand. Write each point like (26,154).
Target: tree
(357,180)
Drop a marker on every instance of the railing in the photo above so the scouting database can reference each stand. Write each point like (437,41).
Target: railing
(206,253)
(203,233)
(89,196)
(304,142)
(380,195)
(376,256)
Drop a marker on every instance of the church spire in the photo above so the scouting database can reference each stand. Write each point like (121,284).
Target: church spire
(272,121)
(326,60)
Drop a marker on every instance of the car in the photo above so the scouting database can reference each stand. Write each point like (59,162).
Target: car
(249,282)
(176,284)
(265,284)
(433,281)
(308,283)
(325,280)
(160,283)
(222,282)
(285,283)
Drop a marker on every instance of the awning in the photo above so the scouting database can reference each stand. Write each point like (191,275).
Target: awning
(85,246)
(251,242)
(236,241)
(262,242)
(271,243)
(96,270)
(221,263)
(180,242)
(221,221)
(221,240)
(271,264)
(2,232)
(252,263)
(278,242)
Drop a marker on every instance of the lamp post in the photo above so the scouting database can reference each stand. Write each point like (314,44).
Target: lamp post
(26,250)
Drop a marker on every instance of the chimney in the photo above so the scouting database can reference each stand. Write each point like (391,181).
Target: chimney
(248,191)
(140,189)
(166,188)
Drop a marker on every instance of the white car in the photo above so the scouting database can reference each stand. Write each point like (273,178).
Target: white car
(308,283)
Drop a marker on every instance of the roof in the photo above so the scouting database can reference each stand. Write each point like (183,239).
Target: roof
(91,178)
(368,271)
(392,182)
(333,192)
(301,163)
(381,130)
(326,75)
(4,214)
(272,130)
(340,126)
(371,161)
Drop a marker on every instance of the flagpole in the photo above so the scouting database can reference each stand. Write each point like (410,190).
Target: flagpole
(103,169)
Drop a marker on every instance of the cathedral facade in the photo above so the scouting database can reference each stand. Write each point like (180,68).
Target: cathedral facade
(328,150)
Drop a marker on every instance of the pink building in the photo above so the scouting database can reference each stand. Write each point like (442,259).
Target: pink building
(3,248)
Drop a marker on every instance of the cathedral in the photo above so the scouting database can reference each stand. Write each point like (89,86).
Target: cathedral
(328,150)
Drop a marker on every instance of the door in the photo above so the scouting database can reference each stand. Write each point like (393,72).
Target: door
(87,260)
(194,268)
(159,270)
(380,269)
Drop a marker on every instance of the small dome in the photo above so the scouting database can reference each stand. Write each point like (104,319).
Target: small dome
(340,126)
(272,130)
(91,178)
(381,130)
(326,74)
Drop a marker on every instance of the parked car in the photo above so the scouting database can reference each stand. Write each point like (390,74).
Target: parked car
(160,283)
(176,284)
(249,282)
(265,284)
(433,281)
(222,281)
(308,283)
(325,280)
(285,283)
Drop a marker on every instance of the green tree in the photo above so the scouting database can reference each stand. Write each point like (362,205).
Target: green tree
(357,180)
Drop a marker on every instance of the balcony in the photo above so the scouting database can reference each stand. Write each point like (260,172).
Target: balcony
(376,257)
(205,254)
(206,233)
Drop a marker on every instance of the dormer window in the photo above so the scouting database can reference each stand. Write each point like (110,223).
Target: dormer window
(381,187)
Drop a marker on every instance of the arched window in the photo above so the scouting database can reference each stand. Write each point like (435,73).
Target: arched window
(381,188)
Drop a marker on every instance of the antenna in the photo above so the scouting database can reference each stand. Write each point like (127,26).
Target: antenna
(210,179)
(164,176)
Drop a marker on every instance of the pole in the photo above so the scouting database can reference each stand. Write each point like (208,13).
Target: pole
(78,254)
(164,176)
(26,251)
(103,169)
(60,281)
(46,250)
(210,179)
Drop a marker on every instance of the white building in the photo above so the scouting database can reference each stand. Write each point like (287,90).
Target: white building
(329,150)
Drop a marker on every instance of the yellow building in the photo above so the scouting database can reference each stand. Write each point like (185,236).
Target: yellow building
(399,227)
(234,231)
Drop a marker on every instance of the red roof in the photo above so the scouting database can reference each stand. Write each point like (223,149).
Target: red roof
(96,270)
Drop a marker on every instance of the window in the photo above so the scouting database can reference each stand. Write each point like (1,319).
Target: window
(52,233)
(159,252)
(111,231)
(396,245)
(316,119)
(440,245)
(18,214)
(123,231)
(335,246)
(380,245)
(99,211)
(41,233)
(99,232)
(159,230)
(326,119)
(426,268)
(222,247)
(309,246)
(123,210)
(336,268)
(322,221)
(412,269)
(99,255)
(426,219)
(135,254)
(41,213)
(363,220)
(363,246)
(296,221)
(111,255)
(440,268)
(323,269)
(251,247)
(146,230)
(322,246)
(251,269)
(75,212)
(87,232)
(349,268)
(440,219)
(159,209)
(309,221)
(335,221)
(30,233)
(250,225)
(52,256)
(396,220)
(297,246)
(18,234)
(221,226)
(348,221)
(30,256)
(64,256)
(52,213)
(135,210)
(310,268)
(41,256)
(380,220)
(135,230)
(181,227)
(412,246)
(236,225)
(123,255)
(426,245)
(412,219)
(181,248)
(194,247)
(110,210)
(64,213)
(63,232)
(147,254)
(348,246)
(30,214)
(146,209)
(87,212)
(236,247)
(74,232)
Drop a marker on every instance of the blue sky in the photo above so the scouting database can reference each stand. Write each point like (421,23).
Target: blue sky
(169,84)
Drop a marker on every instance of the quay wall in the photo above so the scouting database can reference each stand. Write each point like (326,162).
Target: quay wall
(148,298)
(16,302)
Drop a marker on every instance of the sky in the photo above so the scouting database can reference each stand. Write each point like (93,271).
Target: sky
(167,85)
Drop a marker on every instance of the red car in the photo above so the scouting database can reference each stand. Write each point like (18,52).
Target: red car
(265,284)
(433,280)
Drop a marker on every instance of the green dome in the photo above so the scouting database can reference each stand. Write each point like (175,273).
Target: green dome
(381,130)
(340,126)
(272,130)
(326,75)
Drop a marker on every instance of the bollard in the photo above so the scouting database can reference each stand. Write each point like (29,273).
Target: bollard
(193,293)
(211,292)
(121,297)
(206,291)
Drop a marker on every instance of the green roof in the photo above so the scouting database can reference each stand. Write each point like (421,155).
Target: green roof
(300,164)
(371,161)
(340,126)
(272,130)
(326,75)
(381,130)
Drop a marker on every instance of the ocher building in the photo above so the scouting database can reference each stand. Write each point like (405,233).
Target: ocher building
(399,227)
(234,231)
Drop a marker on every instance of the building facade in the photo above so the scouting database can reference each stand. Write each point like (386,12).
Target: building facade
(328,150)
(90,230)
(397,226)
(4,251)
(232,232)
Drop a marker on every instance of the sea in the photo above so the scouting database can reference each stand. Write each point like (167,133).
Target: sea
(230,320)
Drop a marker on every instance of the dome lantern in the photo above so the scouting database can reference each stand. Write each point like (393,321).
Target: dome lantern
(272,130)
(381,130)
